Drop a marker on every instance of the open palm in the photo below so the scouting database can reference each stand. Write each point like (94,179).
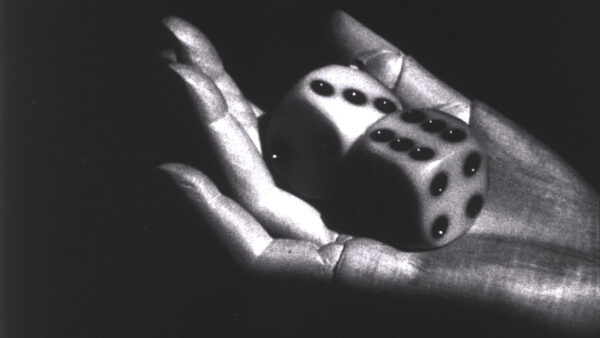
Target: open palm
(534,250)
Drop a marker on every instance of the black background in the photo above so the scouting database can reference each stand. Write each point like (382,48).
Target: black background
(96,244)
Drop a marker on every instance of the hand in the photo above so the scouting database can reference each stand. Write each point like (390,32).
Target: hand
(533,252)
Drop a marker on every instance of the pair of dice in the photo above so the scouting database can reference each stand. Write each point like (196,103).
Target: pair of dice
(415,178)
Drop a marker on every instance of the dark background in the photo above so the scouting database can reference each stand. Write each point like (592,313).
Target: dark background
(96,244)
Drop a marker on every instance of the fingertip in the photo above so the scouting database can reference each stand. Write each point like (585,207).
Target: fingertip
(178,172)
(169,21)
(177,25)
(196,48)
(339,16)
(192,181)
(351,38)
(173,169)
(183,31)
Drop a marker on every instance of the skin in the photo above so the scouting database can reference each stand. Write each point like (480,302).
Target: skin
(533,252)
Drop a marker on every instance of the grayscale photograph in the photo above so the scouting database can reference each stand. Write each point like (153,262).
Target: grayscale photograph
(299,169)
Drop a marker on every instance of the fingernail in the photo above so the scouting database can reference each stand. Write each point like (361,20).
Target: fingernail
(384,65)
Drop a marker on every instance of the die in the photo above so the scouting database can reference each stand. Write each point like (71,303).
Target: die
(417,179)
(314,127)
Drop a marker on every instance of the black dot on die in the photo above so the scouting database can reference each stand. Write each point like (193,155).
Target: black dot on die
(402,144)
(440,227)
(384,105)
(321,87)
(422,154)
(433,125)
(354,96)
(454,135)
(472,164)
(438,184)
(474,206)
(382,135)
(413,116)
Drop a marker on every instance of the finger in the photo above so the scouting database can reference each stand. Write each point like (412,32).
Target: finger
(239,158)
(245,238)
(198,51)
(413,84)
(238,230)
(244,168)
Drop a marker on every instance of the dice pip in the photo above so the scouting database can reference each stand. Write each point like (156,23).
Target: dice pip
(416,179)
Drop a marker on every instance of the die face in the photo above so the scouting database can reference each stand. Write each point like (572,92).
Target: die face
(317,123)
(446,171)
(449,197)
